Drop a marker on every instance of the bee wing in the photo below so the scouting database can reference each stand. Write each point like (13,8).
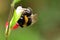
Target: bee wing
(34,18)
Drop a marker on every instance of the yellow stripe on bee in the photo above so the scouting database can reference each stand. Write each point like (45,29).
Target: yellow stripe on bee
(26,20)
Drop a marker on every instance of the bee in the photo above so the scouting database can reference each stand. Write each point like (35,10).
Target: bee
(27,18)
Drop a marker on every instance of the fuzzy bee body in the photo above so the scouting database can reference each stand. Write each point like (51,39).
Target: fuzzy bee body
(25,19)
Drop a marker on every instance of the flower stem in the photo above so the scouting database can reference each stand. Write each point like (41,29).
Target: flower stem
(7,32)
(8,29)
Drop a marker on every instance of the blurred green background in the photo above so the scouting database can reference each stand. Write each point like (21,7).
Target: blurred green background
(46,28)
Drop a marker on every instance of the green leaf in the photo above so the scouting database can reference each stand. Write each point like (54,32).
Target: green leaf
(15,18)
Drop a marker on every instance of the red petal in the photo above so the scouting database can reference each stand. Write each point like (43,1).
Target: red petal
(6,24)
(15,26)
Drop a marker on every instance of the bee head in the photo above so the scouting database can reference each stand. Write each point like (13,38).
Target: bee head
(27,12)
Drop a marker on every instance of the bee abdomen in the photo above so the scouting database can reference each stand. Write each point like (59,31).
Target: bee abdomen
(29,21)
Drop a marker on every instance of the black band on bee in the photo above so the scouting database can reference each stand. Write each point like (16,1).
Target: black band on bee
(29,21)
(21,21)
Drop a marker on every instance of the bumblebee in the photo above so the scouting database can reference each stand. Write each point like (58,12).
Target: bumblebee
(25,19)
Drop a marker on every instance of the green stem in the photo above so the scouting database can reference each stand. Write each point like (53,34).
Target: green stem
(8,30)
